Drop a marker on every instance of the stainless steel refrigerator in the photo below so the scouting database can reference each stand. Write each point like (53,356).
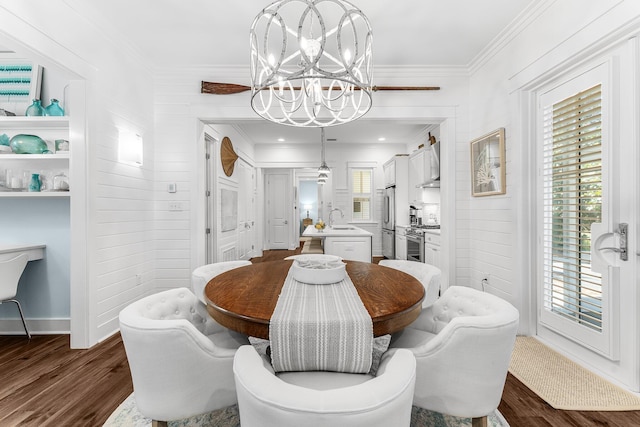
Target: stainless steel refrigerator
(389,223)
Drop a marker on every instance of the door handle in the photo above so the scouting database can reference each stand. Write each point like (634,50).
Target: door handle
(599,233)
(286,222)
(622,242)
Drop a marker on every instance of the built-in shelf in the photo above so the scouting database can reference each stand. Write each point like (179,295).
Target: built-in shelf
(20,167)
(57,156)
(42,122)
(34,194)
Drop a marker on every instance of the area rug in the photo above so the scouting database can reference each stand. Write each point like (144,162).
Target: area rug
(563,383)
(127,415)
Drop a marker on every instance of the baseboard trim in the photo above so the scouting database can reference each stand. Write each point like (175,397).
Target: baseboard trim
(36,326)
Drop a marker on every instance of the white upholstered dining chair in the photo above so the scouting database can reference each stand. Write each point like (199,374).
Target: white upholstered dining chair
(427,274)
(181,360)
(201,275)
(10,273)
(320,398)
(462,344)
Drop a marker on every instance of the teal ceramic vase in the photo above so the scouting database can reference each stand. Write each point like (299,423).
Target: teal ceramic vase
(34,184)
(35,109)
(28,144)
(54,109)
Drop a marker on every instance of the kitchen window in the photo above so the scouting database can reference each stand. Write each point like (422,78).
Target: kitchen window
(361,196)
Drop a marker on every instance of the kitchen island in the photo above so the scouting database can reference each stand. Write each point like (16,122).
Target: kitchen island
(346,241)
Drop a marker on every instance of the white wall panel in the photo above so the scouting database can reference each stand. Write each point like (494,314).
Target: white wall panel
(118,96)
(502,233)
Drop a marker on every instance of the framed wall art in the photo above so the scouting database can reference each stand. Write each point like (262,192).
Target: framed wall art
(488,167)
(20,82)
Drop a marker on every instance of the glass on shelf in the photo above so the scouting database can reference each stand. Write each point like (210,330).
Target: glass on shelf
(35,109)
(34,183)
(54,109)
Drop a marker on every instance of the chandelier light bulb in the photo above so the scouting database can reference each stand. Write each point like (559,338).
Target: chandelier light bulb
(347,56)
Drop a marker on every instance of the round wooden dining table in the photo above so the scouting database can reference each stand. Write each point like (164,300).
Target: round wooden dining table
(243,299)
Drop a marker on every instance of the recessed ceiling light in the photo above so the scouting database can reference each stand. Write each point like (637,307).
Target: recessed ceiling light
(280,139)
(382,138)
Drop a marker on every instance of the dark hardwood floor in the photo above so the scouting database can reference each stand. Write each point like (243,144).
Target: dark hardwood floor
(45,383)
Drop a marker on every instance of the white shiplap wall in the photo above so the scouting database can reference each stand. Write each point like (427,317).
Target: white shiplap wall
(111,204)
(180,109)
(503,87)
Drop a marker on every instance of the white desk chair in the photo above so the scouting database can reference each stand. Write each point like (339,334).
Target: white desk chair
(10,273)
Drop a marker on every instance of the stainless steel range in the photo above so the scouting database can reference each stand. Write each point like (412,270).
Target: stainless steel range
(415,241)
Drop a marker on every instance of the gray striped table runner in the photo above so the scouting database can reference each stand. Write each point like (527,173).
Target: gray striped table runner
(320,328)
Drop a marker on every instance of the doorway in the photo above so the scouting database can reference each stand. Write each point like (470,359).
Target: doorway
(278,200)
(308,202)
(587,192)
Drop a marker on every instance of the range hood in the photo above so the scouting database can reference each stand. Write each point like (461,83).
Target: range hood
(429,184)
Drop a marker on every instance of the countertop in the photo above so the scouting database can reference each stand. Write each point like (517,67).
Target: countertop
(336,231)
(8,251)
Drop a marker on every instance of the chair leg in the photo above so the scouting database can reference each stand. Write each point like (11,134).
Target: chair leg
(156,423)
(21,317)
(479,422)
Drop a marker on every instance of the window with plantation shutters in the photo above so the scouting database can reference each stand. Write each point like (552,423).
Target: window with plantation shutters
(361,194)
(572,201)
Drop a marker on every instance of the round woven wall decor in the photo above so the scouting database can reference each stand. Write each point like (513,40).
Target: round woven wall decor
(228,157)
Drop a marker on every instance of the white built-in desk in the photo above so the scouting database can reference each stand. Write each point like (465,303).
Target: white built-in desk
(9,251)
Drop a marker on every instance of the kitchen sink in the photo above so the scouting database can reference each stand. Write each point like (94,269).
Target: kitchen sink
(343,227)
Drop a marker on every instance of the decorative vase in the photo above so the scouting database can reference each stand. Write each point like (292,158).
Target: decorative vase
(35,109)
(54,109)
(34,184)
(28,144)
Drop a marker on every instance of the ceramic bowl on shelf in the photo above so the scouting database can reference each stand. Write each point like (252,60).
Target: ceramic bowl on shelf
(318,271)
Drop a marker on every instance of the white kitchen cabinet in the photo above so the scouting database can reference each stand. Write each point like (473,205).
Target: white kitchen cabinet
(432,249)
(21,166)
(420,176)
(389,169)
(401,246)
(417,164)
(349,248)
(396,174)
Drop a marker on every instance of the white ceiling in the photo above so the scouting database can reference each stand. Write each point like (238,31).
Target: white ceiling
(201,33)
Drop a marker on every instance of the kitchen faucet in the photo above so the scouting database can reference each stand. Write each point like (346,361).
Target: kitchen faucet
(331,215)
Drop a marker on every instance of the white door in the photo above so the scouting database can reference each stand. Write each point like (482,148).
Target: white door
(210,190)
(246,209)
(587,190)
(278,203)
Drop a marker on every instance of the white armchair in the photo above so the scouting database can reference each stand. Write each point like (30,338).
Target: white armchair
(201,275)
(181,360)
(462,344)
(324,398)
(427,274)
